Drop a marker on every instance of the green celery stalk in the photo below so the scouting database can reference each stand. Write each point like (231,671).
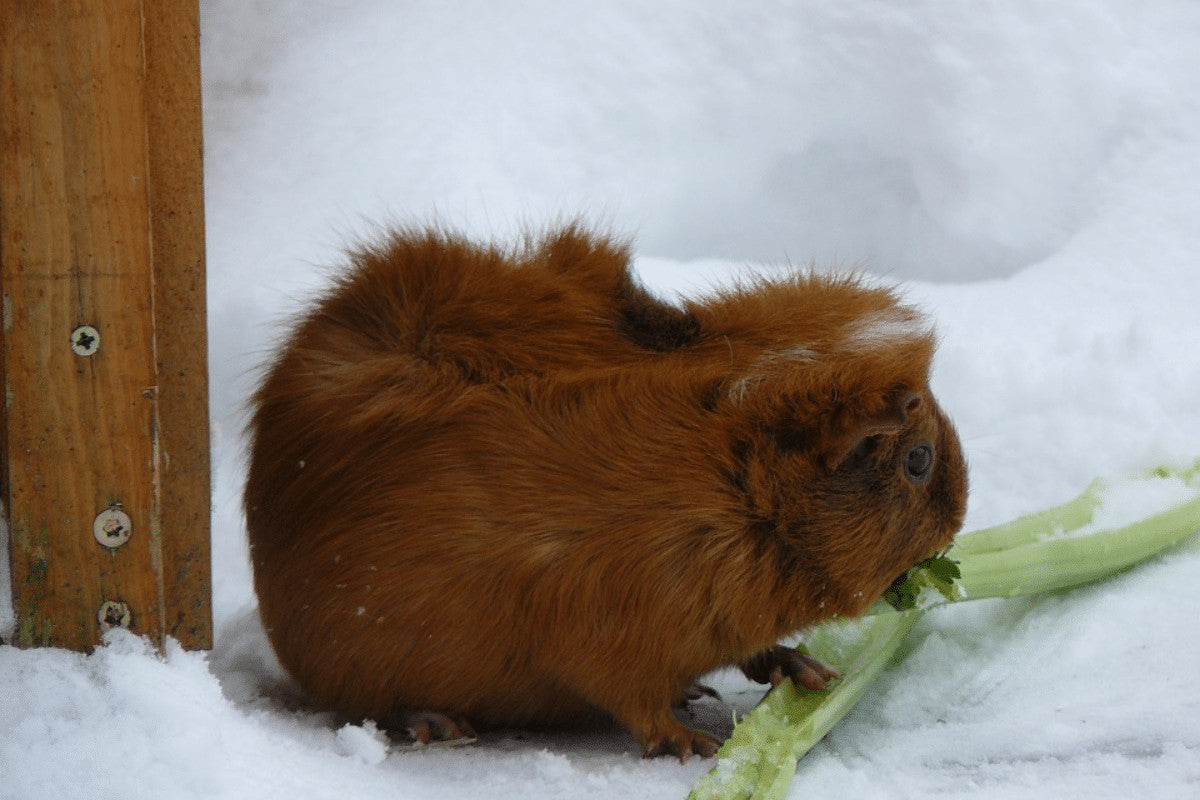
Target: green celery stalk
(1029,529)
(1065,518)
(1033,554)
(1062,563)
(759,758)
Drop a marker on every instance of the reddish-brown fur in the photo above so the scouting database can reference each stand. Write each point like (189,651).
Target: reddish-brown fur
(515,487)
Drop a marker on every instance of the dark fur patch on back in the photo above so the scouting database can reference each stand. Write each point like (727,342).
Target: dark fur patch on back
(659,327)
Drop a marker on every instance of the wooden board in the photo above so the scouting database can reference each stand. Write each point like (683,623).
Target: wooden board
(176,200)
(101,224)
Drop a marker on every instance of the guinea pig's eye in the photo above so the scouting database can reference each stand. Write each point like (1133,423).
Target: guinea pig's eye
(918,462)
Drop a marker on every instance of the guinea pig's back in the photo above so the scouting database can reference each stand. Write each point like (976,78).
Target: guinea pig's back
(364,512)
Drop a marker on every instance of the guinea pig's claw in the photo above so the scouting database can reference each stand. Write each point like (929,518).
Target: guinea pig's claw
(683,743)
(804,670)
(776,663)
(434,726)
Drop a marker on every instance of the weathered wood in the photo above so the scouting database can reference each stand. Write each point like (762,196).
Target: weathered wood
(101,224)
(176,196)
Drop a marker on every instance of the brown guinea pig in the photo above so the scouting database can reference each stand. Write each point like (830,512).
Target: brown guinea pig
(515,489)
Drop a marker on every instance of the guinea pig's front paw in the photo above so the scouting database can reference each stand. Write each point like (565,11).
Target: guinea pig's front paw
(682,741)
(426,727)
(776,663)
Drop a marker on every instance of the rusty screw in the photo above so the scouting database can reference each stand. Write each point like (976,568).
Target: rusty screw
(113,614)
(85,341)
(112,527)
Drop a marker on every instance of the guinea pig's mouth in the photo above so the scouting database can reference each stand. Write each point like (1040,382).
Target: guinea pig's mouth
(921,584)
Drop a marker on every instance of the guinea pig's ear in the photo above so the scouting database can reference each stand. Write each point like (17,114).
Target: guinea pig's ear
(854,430)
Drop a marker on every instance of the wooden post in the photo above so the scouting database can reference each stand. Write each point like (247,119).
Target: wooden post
(105,473)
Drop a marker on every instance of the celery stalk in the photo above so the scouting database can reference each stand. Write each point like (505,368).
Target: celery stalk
(1061,563)
(1065,518)
(1047,551)
(1050,550)
(1069,516)
(759,758)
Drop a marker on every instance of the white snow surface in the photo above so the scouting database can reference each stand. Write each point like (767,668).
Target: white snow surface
(1029,169)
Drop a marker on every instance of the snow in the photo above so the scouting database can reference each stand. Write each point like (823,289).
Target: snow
(1029,169)
(1125,502)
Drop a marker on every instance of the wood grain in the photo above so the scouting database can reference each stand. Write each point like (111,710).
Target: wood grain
(101,223)
(176,199)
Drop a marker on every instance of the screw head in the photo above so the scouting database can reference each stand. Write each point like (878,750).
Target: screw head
(113,614)
(85,341)
(112,527)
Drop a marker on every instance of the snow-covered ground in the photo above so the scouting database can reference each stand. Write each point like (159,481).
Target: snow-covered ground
(1030,168)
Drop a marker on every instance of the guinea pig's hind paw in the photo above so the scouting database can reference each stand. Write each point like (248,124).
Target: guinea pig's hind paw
(434,727)
(683,742)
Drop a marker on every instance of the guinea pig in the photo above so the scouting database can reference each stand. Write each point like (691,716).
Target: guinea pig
(494,487)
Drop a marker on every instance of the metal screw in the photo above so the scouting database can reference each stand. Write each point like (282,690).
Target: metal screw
(113,614)
(85,341)
(112,527)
